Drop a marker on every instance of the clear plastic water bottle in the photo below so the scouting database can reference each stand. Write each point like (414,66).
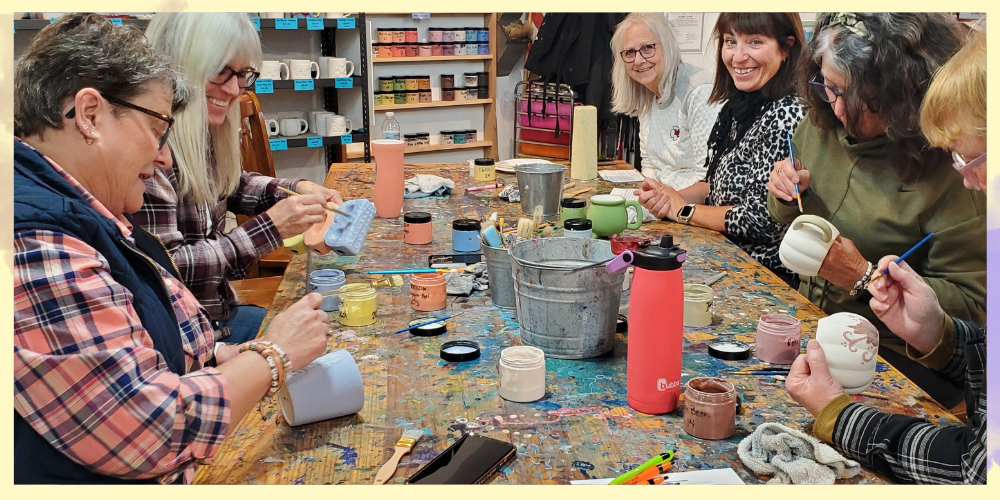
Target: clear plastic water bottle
(390,127)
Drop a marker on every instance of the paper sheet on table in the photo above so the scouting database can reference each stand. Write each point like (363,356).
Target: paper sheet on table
(627,193)
(621,175)
(714,476)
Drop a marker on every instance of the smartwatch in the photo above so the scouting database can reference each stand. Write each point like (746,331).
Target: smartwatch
(685,214)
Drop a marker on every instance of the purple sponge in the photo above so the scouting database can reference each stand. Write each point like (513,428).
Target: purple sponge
(347,233)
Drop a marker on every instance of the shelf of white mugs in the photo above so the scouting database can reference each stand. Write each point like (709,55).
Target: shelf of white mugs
(431,58)
(432,104)
(304,23)
(281,143)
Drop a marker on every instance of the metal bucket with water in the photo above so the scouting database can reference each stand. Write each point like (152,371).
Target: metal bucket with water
(540,184)
(501,277)
(568,313)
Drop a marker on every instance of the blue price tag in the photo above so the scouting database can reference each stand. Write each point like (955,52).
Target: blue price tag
(279,144)
(264,86)
(52,20)
(304,84)
(314,142)
(345,23)
(314,23)
(343,83)
(116,21)
(256,22)
(286,24)
(346,139)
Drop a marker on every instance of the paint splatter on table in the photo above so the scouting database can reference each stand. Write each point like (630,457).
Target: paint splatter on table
(583,428)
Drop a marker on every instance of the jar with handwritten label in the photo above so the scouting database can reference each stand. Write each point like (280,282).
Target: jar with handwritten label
(417,228)
(436,49)
(471,135)
(447,94)
(425,96)
(459,48)
(471,49)
(448,49)
(471,35)
(428,292)
(423,138)
(412,96)
(459,34)
(472,93)
(384,35)
(399,83)
(412,49)
(472,79)
(411,83)
(399,97)
(447,137)
(398,35)
(447,35)
(447,81)
(484,49)
(458,136)
(485,169)
(778,338)
(423,82)
(358,304)
(435,34)
(424,49)
(399,50)
(385,50)
(483,35)
(710,406)
(411,139)
(410,35)
(461,94)
(385,84)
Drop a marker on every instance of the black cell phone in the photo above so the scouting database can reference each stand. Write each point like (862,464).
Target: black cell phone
(470,460)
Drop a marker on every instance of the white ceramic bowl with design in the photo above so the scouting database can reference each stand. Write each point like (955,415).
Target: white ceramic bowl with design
(850,343)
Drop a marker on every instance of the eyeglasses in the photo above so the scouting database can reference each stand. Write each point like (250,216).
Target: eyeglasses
(170,121)
(244,77)
(966,168)
(646,51)
(825,92)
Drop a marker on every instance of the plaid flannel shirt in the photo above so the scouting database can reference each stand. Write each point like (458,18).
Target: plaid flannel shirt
(206,256)
(86,376)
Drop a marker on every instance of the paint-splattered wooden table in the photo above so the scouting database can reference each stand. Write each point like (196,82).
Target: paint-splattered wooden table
(583,428)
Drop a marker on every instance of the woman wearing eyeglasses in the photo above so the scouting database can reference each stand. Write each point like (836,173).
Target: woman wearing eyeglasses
(669,97)
(186,206)
(755,76)
(909,449)
(112,354)
(862,163)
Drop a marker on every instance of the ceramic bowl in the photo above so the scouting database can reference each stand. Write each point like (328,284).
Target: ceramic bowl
(850,343)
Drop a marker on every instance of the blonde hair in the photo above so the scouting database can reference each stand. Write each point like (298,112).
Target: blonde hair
(628,96)
(200,45)
(955,103)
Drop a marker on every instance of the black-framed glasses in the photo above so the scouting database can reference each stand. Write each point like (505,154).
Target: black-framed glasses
(245,78)
(646,51)
(155,114)
(825,92)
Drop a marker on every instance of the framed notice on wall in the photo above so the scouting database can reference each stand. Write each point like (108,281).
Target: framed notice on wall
(689,27)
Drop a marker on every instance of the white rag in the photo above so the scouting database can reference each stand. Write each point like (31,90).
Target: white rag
(422,185)
(793,457)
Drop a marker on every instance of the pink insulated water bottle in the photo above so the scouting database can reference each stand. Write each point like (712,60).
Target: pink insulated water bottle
(656,328)
(388,156)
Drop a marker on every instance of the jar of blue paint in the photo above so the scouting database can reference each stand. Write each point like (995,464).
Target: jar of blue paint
(326,282)
(465,235)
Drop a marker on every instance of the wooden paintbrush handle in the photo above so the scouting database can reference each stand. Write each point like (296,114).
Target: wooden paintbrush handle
(387,470)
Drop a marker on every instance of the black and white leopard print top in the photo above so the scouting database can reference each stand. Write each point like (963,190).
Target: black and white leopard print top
(741,182)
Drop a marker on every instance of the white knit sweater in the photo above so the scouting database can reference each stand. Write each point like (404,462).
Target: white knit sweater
(673,136)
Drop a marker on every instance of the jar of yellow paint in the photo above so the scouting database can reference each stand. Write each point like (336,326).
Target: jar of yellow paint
(358,304)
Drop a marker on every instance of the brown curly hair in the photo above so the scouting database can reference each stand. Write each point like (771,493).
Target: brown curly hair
(888,64)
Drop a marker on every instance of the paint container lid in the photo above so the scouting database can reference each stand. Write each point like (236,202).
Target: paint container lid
(417,217)
(485,161)
(465,225)
(459,350)
(663,257)
(621,326)
(431,330)
(578,224)
(573,203)
(729,350)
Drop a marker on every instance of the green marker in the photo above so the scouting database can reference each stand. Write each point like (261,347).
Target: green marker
(652,462)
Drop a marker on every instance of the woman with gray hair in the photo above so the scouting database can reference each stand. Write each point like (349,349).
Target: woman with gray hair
(186,206)
(114,376)
(670,98)
(862,163)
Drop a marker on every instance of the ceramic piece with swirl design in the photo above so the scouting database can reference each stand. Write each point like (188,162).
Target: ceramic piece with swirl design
(850,343)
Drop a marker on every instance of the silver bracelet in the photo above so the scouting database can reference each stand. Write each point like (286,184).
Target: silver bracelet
(863,282)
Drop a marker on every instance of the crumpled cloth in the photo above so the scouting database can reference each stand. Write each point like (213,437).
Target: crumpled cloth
(465,282)
(510,193)
(793,457)
(422,186)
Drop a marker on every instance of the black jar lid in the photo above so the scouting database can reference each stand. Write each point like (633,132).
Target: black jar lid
(389,78)
(465,225)
(410,136)
(409,29)
(578,225)
(472,74)
(423,134)
(729,350)
(417,217)
(459,350)
(424,76)
(447,89)
(443,132)
(385,29)
(485,161)
(573,203)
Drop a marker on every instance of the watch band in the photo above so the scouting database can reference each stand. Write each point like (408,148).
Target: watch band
(686,220)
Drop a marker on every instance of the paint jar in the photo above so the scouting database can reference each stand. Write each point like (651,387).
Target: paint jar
(578,228)
(447,137)
(358,304)
(375,47)
(385,50)
(447,94)
(484,79)
(778,337)
(471,35)
(447,81)
(448,35)
(399,83)
(472,93)
(483,92)
(412,96)
(384,35)
(417,228)
(472,79)
(465,235)
(428,292)
(697,305)
(423,138)
(710,408)
(410,35)
(378,98)
(522,374)
(412,50)
(471,49)
(325,281)
(448,49)
(411,82)
(486,170)
(425,96)
(385,84)
(411,139)
(398,35)
(424,82)
(399,50)
(459,137)
(484,49)
(470,136)
(461,94)
(483,35)
(435,34)
(459,49)
(459,34)
(424,49)
(399,97)
(436,49)
(572,208)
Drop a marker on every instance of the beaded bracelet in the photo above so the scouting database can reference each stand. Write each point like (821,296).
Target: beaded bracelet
(865,279)
(268,350)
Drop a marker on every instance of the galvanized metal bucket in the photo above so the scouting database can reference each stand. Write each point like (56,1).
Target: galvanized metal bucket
(568,313)
(540,184)
(501,277)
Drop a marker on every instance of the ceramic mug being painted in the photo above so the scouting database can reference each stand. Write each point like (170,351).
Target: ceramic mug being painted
(609,215)
(850,343)
(806,244)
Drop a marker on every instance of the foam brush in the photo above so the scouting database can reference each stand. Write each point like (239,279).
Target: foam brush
(403,446)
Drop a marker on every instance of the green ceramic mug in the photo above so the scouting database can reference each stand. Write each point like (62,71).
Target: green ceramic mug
(609,216)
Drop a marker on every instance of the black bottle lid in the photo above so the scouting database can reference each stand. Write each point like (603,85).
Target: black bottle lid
(465,225)
(417,217)
(485,161)
(664,257)
(573,203)
(577,225)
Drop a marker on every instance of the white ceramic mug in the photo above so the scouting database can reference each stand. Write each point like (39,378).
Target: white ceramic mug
(334,15)
(293,126)
(274,15)
(850,343)
(336,127)
(337,67)
(272,70)
(322,121)
(313,115)
(806,244)
(329,387)
(272,127)
(302,69)
(346,123)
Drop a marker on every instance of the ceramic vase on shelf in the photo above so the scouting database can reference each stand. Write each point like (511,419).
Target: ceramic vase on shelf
(850,343)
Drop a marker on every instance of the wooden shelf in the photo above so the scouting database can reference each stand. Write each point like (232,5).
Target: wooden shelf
(431,148)
(435,104)
(477,57)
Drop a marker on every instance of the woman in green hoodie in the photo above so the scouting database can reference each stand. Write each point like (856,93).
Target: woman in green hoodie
(862,163)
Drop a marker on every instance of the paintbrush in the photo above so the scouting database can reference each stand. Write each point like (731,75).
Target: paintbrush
(901,257)
(792,158)
(431,322)
(761,372)
(875,395)
(577,192)
(423,271)
(329,206)
(403,446)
